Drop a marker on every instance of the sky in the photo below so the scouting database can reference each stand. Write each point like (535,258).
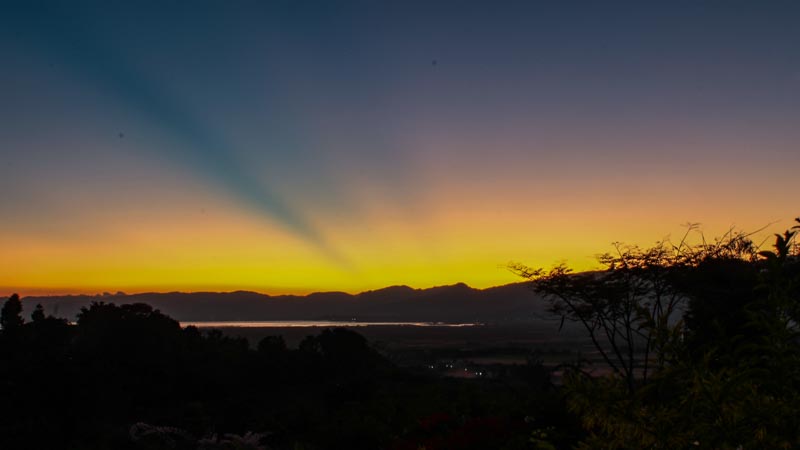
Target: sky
(298,146)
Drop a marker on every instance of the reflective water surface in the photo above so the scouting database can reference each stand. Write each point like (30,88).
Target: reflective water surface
(317,323)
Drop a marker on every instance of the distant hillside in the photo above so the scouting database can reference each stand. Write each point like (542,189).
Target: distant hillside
(455,303)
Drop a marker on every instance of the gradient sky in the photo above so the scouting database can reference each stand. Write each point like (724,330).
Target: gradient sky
(294,146)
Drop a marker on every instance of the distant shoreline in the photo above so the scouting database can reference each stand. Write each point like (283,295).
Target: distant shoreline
(316,323)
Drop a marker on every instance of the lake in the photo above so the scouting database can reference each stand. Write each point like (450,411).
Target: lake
(318,323)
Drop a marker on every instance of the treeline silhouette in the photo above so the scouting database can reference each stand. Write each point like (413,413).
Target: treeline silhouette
(703,343)
(701,346)
(128,376)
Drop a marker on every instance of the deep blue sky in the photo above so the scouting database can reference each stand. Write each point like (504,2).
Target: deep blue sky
(344,125)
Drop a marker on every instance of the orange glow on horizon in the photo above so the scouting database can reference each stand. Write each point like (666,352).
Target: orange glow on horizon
(235,250)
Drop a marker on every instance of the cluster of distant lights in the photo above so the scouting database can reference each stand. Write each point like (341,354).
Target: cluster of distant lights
(478,373)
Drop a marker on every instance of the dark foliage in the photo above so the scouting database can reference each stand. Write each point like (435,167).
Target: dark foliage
(128,376)
(723,355)
(11,315)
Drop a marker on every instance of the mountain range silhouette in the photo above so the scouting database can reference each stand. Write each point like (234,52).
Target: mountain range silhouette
(451,304)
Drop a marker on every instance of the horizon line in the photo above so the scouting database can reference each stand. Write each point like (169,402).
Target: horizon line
(5,292)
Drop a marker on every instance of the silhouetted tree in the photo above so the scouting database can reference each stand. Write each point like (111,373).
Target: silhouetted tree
(343,345)
(627,310)
(633,309)
(310,345)
(38,313)
(11,315)
(271,345)
(733,385)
